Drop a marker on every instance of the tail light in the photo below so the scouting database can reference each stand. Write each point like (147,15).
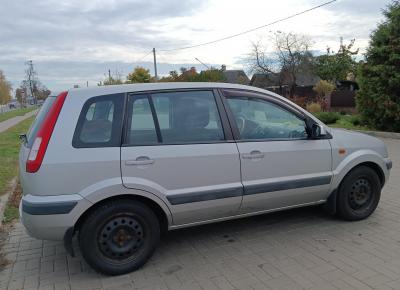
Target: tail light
(42,138)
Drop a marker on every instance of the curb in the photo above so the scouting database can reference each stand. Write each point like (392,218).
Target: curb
(4,198)
(391,135)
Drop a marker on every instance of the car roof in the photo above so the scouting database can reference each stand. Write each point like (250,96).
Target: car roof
(131,88)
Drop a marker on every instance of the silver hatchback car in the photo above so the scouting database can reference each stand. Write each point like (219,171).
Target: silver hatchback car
(121,164)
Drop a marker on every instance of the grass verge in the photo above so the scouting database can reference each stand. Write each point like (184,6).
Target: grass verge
(11,212)
(9,148)
(14,113)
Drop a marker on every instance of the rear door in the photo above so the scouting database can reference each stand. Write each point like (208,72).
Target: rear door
(281,166)
(177,145)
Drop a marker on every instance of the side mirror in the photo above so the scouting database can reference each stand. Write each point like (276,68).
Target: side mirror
(23,138)
(317,131)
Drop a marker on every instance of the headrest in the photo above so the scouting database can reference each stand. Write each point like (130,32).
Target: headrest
(191,114)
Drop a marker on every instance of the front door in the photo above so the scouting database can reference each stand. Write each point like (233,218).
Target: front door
(176,147)
(281,166)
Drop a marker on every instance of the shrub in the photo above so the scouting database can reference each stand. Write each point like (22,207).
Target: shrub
(328,117)
(314,107)
(356,120)
(378,99)
(324,88)
(300,101)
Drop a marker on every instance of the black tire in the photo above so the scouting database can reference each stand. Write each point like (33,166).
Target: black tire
(119,237)
(358,194)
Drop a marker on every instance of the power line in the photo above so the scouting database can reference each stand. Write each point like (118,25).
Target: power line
(143,57)
(250,30)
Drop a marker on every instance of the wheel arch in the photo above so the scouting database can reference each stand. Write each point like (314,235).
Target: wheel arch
(161,215)
(331,203)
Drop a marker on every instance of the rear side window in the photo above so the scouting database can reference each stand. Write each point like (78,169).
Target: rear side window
(174,118)
(142,130)
(100,122)
(39,120)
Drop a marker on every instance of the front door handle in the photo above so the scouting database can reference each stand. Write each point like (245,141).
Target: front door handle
(255,154)
(141,160)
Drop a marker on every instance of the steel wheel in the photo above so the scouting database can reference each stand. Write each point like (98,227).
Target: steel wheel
(120,238)
(358,194)
(361,194)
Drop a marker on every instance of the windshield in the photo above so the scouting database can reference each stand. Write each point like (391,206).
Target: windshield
(39,120)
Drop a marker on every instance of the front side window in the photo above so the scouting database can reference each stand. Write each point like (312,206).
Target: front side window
(258,119)
(177,117)
(100,122)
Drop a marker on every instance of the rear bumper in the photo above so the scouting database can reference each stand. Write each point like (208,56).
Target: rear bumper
(49,217)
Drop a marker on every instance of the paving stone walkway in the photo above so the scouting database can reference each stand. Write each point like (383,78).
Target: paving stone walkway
(297,249)
(15,120)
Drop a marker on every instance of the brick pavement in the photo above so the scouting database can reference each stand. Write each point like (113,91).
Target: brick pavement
(297,249)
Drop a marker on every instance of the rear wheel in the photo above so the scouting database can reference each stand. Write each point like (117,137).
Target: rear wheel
(119,237)
(359,194)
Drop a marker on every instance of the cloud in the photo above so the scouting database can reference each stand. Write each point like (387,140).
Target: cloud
(75,40)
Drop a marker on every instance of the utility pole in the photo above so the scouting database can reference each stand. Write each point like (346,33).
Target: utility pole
(31,80)
(155,64)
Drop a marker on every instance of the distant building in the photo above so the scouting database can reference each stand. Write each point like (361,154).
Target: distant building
(280,83)
(235,76)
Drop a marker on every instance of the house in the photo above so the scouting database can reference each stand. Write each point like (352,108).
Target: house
(280,83)
(235,76)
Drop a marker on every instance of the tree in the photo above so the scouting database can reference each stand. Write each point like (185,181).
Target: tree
(378,100)
(5,89)
(290,57)
(294,56)
(32,86)
(337,66)
(19,95)
(139,75)
(191,75)
(260,61)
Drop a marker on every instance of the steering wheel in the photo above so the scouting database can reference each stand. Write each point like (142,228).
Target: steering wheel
(241,123)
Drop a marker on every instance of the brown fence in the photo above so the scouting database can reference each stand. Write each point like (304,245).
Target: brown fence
(345,99)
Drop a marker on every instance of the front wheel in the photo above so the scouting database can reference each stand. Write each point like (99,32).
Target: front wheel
(359,194)
(119,237)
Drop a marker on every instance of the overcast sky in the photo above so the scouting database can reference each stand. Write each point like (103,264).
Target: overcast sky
(74,41)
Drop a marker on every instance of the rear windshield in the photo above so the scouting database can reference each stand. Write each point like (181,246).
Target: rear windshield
(39,120)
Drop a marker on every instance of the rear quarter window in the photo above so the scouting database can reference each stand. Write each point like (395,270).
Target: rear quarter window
(99,123)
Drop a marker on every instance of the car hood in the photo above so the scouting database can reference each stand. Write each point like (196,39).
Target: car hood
(353,141)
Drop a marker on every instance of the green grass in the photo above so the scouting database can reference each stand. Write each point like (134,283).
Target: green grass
(337,120)
(10,213)
(346,123)
(14,113)
(9,148)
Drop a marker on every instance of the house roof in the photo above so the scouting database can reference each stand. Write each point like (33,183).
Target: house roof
(266,80)
(236,77)
(262,80)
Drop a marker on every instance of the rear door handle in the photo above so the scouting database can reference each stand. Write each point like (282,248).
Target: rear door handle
(141,160)
(253,155)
